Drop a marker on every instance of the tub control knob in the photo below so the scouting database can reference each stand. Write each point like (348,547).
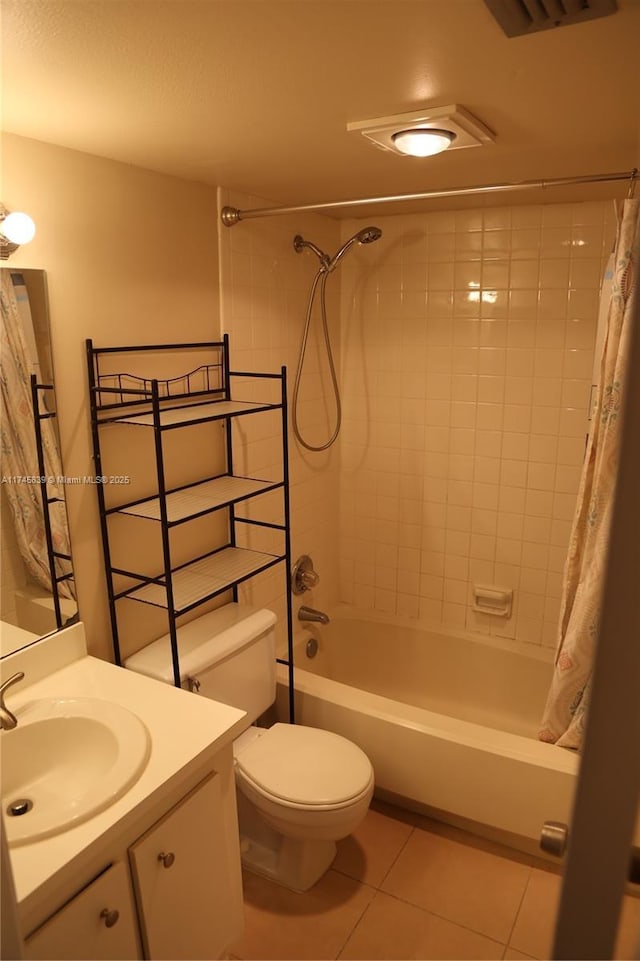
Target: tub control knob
(303,576)
(554,837)
(309,579)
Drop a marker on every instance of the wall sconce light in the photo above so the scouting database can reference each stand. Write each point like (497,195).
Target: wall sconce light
(15,229)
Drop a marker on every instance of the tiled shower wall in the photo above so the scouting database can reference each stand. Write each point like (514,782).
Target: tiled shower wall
(467,352)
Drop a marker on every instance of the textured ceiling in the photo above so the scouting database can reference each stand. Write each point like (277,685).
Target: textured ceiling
(255,95)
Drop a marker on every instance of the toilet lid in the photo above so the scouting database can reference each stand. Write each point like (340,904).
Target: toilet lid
(303,765)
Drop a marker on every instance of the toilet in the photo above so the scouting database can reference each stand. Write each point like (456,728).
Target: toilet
(299,789)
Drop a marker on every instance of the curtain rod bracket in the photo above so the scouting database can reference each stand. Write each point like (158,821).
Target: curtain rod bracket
(229,216)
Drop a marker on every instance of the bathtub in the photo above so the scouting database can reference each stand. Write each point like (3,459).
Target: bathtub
(448,720)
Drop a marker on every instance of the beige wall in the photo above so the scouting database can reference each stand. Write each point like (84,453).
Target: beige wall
(131,257)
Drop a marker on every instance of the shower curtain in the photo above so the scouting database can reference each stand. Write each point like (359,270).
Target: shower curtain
(565,712)
(19,454)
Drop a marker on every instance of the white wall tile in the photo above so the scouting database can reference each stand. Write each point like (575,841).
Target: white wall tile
(468,384)
(525,243)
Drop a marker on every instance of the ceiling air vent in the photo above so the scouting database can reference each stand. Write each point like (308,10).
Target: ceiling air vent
(518,17)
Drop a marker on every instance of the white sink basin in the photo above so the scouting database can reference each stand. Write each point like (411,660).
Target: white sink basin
(67,759)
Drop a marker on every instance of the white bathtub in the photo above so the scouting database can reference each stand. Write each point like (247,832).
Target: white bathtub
(448,721)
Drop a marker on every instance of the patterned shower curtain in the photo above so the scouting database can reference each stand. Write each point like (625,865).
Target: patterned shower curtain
(568,700)
(19,454)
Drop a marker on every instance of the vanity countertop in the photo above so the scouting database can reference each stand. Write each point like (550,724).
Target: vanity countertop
(187,732)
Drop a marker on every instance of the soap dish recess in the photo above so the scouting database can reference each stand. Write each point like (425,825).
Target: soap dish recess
(492,600)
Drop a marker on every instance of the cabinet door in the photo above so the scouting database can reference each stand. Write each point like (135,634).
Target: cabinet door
(180,875)
(99,923)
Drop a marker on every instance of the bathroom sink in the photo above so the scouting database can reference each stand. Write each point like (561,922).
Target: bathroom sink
(67,759)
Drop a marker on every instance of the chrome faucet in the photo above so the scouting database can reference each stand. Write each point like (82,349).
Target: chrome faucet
(8,720)
(310,614)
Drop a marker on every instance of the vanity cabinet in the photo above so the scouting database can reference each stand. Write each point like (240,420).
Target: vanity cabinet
(98,923)
(175,892)
(184,899)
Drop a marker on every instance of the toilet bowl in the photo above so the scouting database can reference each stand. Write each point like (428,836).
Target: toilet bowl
(299,789)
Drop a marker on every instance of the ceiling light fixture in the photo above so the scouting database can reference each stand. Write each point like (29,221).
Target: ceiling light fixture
(422,141)
(15,229)
(424,133)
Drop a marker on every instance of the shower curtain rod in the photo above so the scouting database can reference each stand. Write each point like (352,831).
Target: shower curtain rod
(231,215)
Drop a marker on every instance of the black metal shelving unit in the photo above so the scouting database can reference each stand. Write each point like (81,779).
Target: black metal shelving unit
(202,395)
(54,556)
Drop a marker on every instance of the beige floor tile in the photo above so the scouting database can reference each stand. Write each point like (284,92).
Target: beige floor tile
(491,840)
(535,926)
(463,884)
(533,931)
(281,924)
(368,854)
(395,929)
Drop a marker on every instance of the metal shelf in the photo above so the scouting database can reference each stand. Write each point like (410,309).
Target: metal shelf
(194,414)
(200,498)
(201,580)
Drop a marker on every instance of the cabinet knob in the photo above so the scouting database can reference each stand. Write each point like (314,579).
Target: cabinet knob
(110,917)
(167,859)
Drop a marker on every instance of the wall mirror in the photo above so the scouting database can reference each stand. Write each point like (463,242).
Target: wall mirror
(37,590)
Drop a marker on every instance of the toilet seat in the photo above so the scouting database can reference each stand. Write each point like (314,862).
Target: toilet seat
(303,767)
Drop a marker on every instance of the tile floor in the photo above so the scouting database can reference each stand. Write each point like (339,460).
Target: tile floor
(404,887)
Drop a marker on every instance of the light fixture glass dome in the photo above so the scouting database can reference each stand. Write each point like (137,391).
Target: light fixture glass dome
(18,228)
(422,141)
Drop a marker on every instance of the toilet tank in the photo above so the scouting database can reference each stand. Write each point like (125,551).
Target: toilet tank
(227,655)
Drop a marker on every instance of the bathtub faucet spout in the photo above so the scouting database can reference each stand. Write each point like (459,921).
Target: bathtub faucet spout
(310,614)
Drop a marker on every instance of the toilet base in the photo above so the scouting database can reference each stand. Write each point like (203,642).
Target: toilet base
(295,864)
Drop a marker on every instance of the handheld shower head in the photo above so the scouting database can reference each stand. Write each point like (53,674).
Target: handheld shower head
(368,234)
(365,236)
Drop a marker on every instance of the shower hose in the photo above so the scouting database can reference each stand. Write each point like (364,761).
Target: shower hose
(320,277)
